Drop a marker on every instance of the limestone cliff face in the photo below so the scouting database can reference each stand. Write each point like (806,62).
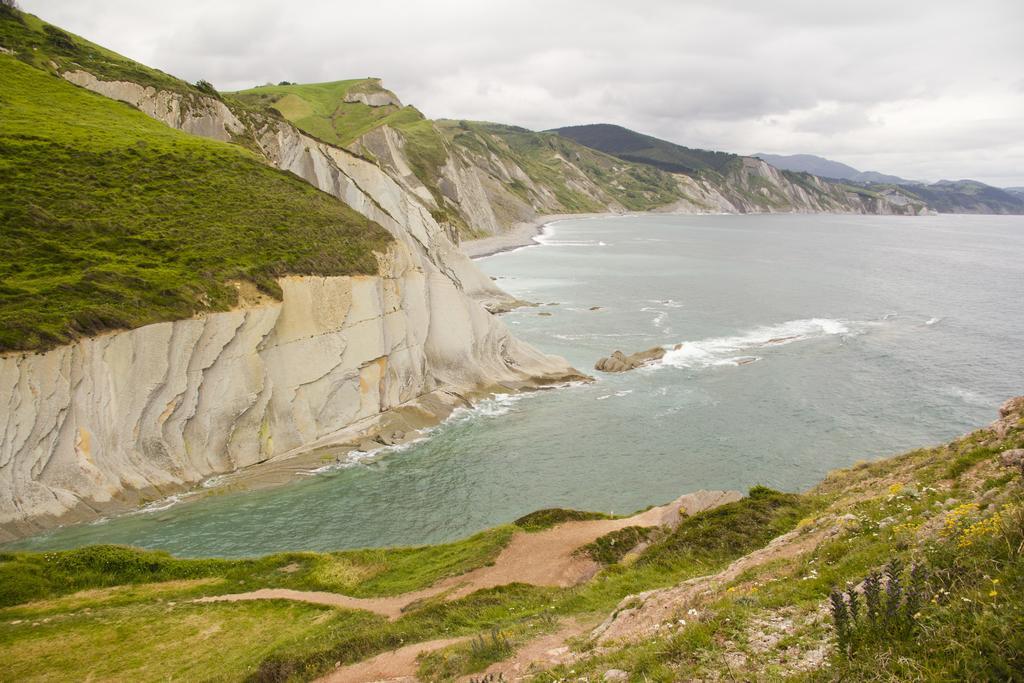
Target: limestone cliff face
(757,187)
(204,116)
(110,420)
(148,411)
(489,190)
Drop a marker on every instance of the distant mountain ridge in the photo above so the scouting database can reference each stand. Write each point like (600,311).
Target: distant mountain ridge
(944,196)
(826,168)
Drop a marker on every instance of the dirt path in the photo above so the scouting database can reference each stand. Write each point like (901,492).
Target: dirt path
(401,665)
(544,558)
(394,665)
(536,655)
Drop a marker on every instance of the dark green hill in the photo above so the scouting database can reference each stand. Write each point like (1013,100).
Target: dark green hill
(637,147)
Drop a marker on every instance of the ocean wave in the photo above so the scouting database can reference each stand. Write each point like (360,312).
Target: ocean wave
(162,504)
(660,316)
(617,394)
(932,321)
(501,404)
(570,243)
(667,303)
(608,335)
(735,350)
(356,457)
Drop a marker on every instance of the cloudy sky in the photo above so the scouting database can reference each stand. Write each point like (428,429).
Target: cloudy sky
(924,89)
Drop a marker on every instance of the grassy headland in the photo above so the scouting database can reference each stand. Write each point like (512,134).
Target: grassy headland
(113,220)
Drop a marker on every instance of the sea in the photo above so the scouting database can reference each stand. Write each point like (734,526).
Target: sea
(797,344)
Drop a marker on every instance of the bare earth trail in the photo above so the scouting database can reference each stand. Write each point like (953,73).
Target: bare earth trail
(394,665)
(543,558)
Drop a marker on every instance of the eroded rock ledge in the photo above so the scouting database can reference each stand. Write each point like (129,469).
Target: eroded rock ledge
(620,362)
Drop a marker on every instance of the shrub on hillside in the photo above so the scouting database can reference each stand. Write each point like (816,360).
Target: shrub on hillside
(207,87)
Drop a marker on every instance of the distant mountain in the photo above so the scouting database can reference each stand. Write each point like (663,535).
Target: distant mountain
(637,147)
(945,196)
(969,196)
(826,168)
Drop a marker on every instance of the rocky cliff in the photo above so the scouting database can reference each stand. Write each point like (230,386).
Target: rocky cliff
(480,178)
(494,176)
(752,186)
(126,416)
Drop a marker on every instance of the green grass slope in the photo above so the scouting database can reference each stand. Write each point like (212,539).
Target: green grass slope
(108,612)
(320,109)
(50,48)
(113,220)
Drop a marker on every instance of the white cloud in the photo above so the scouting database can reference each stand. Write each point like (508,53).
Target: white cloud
(918,88)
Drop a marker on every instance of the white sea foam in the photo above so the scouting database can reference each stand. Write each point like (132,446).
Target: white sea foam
(968,396)
(736,350)
(932,321)
(162,504)
(353,458)
(667,303)
(617,394)
(570,243)
(610,335)
(660,316)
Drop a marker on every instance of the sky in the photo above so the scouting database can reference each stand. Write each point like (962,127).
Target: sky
(924,89)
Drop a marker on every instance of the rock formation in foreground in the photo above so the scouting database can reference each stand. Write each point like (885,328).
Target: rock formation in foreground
(620,362)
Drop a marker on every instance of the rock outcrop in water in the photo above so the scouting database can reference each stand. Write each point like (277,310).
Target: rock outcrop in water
(620,362)
(113,420)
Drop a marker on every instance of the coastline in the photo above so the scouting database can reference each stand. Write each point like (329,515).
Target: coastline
(523,234)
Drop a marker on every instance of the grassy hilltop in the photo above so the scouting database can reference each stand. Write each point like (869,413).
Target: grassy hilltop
(113,220)
(733,603)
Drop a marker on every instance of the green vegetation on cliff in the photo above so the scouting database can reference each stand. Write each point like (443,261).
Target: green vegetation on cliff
(113,220)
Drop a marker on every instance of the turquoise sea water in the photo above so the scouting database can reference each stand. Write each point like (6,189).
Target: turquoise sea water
(808,342)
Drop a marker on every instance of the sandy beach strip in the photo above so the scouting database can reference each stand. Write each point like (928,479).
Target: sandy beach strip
(519,235)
